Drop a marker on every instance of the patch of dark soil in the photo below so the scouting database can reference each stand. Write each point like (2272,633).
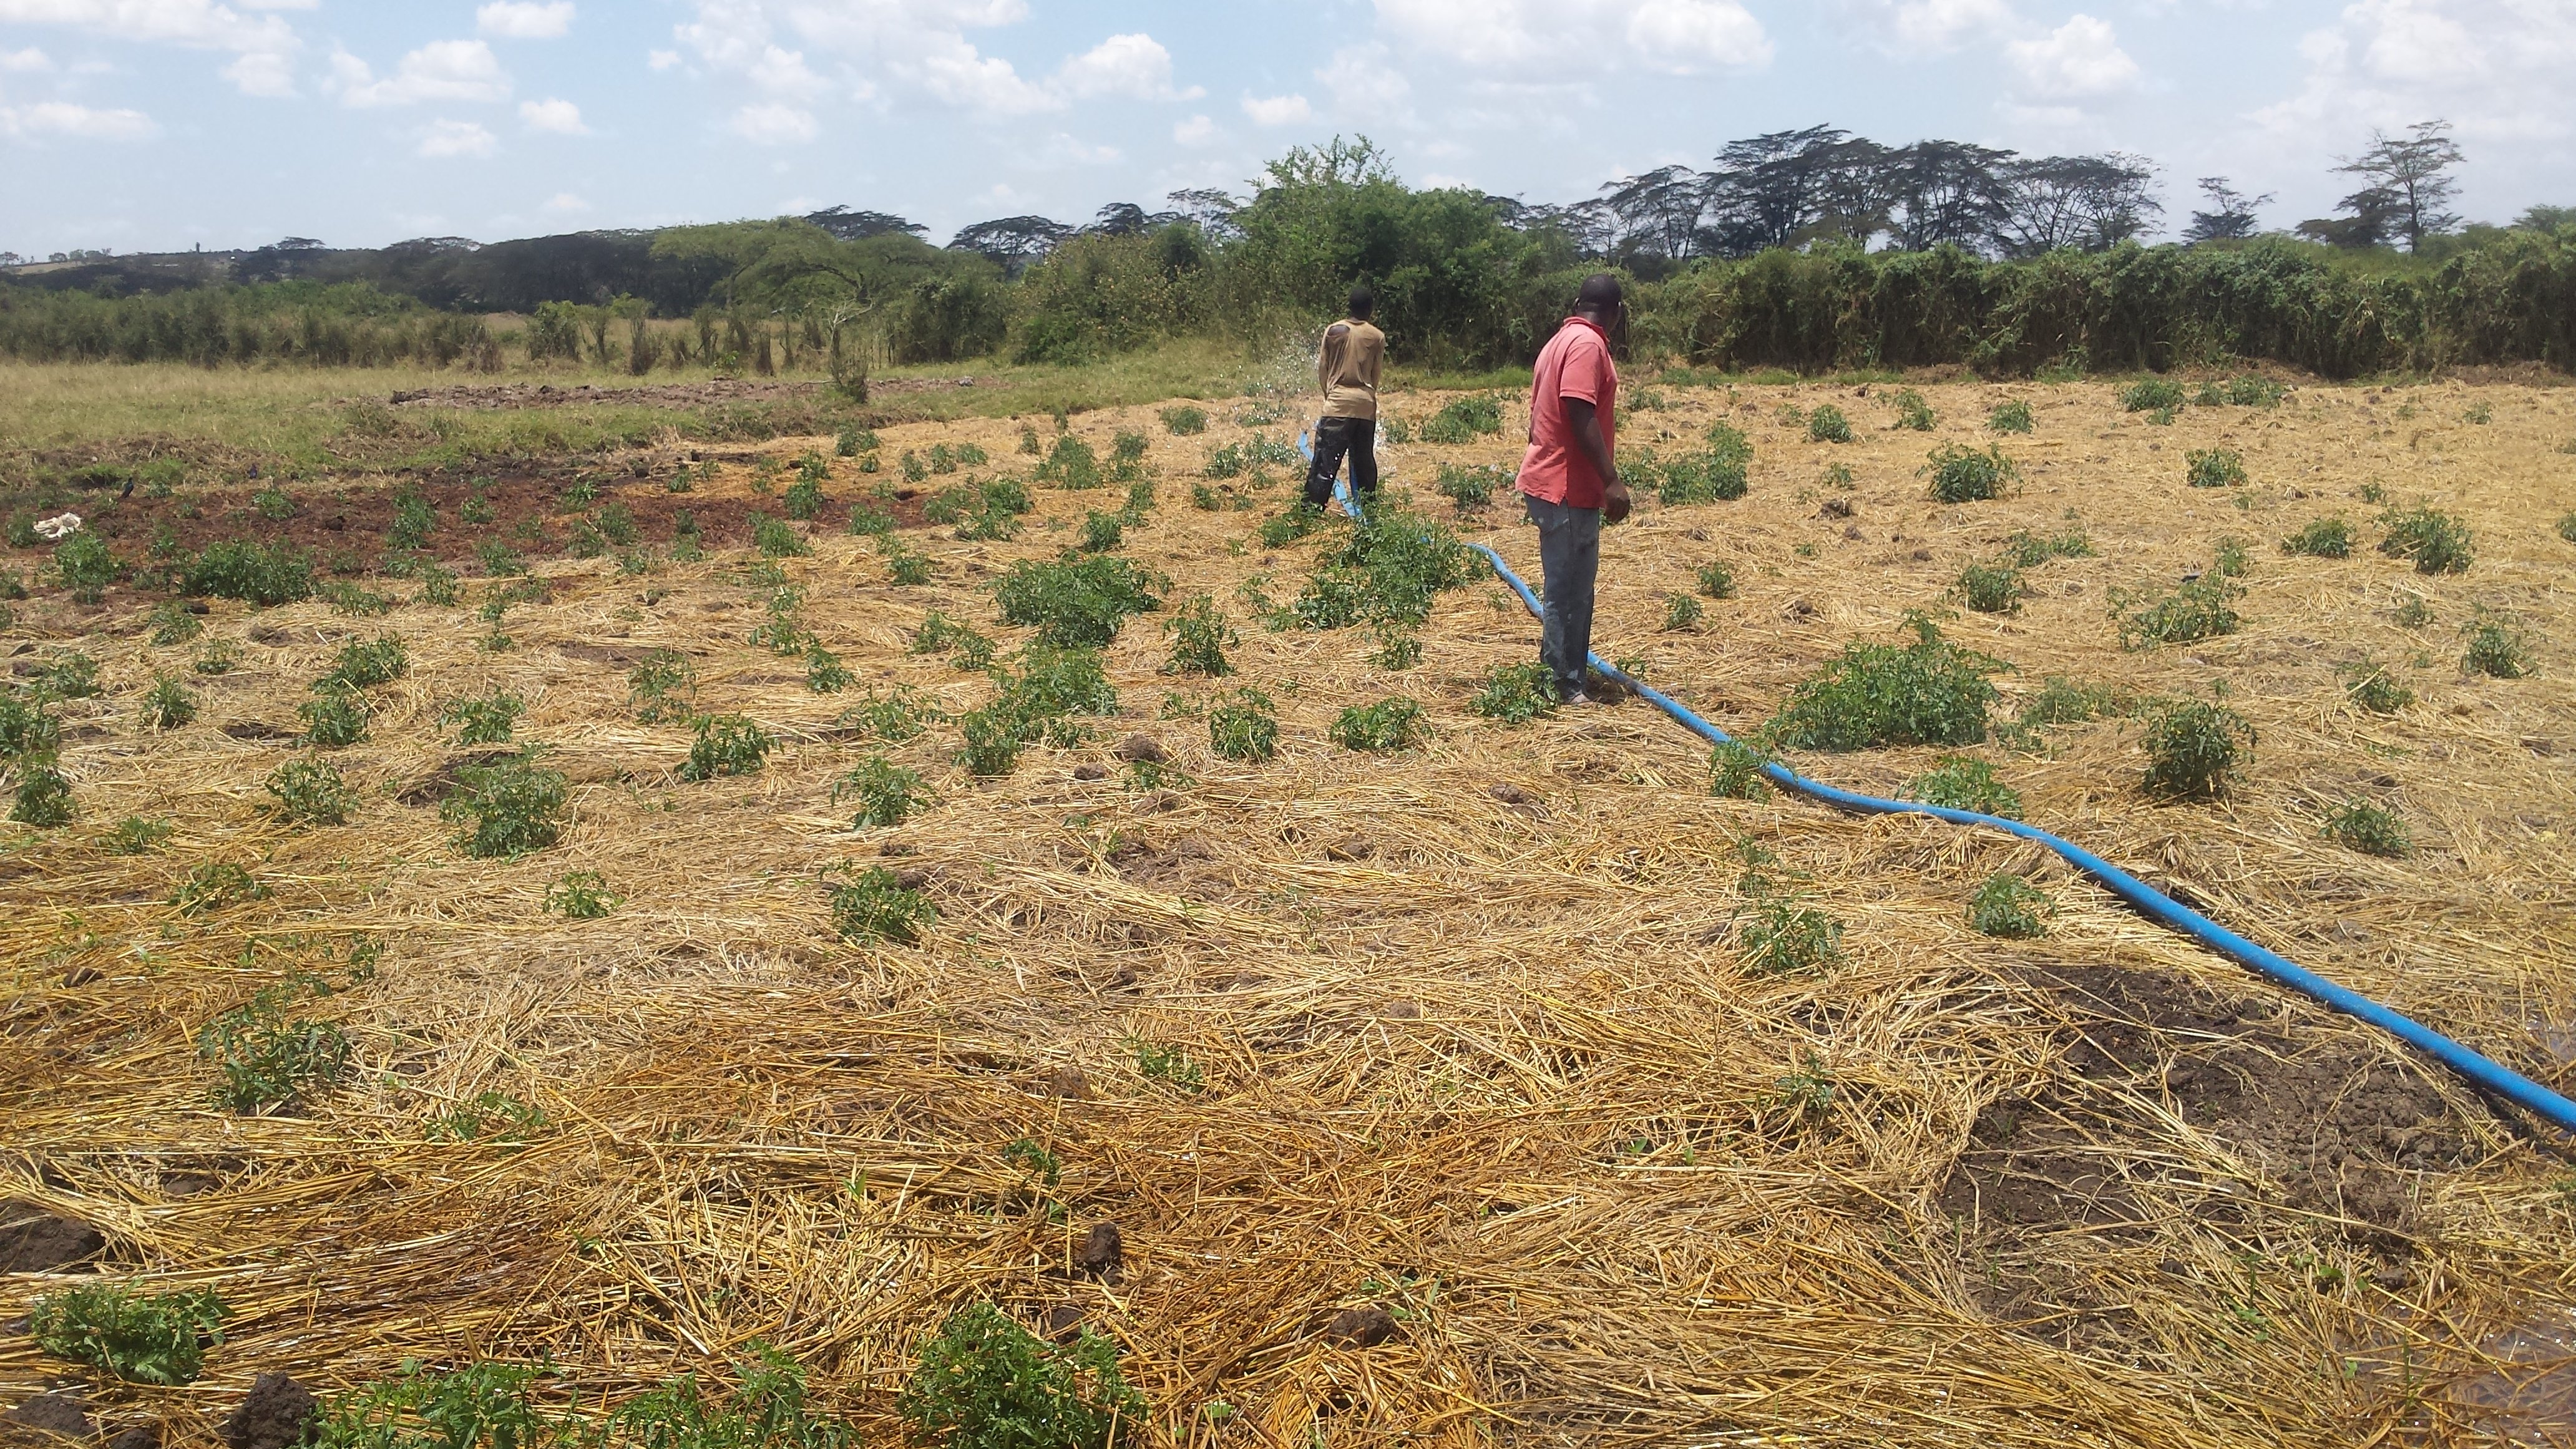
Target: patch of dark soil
(1141,862)
(1361,1327)
(35,1241)
(1102,1252)
(273,1417)
(140,1436)
(66,1415)
(344,529)
(251,731)
(449,777)
(1143,749)
(2344,1130)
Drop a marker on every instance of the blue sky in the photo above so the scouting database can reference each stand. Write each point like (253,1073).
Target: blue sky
(156,124)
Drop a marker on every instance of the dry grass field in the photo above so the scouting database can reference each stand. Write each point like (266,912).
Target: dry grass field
(1435,1096)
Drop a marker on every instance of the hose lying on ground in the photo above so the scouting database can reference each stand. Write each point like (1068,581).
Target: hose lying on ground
(2479,1070)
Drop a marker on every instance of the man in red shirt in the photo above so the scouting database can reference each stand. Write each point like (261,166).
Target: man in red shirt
(1569,477)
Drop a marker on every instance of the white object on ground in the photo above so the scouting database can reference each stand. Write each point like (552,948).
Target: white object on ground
(60,527)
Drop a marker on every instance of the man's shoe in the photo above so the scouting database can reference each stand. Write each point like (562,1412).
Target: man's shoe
(1577,698)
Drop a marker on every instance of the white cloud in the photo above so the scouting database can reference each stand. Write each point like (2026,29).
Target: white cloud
(1064,150)
(560,117)
(565,203)
(1366,86)
(1918,27)
(58,118)
(264,42)
(1135,66)
(2078,60)
(921,46)
(525,19)
(25,60)
(198,24)
(956,72)
(1547,39)
(775,125)
(2496,68)
(778,71)
(262,73)
(1277,110)
(445,139)
(444,70)
(662,59)
(1196,131)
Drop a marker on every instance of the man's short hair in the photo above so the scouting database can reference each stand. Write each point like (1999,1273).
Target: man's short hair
(1363,302)
(1601,293)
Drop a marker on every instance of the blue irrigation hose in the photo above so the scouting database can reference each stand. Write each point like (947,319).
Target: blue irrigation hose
(2479,1069)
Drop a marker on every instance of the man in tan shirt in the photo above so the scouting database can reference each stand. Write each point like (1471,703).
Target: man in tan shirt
(1348,365)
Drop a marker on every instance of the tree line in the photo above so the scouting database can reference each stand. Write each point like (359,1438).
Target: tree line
(1932,252)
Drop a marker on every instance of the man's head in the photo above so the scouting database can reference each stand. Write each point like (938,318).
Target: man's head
(1600,298)
(1363,303)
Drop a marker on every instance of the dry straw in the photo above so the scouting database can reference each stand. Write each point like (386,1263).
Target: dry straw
(1487,1059)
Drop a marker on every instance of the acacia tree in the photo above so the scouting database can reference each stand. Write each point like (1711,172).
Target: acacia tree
(1012,241)
(2410,178)
(1946,192)
(2230,216)
(2089,203)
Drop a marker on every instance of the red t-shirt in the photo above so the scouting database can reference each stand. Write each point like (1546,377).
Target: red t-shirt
(1574,364)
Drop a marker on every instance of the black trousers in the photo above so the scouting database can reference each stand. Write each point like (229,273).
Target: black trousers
(1335,438)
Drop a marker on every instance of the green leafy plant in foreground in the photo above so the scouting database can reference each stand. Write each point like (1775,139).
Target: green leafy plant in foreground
(2370,829)
(2375,687)
(2010,417)
(1961,783)
(662,687)
(1828,425)
(167,704)
(726,744)
(266,1055)
(486,721)
(334,719)
(873,905)
(2437,542)
(1991,588)
(1203,636)
(1786,937)
(581,895)
(1963,475)
(2009,907)
(135,835)
(1913,414)
(147,1338)
(1391,724)
(1077,603)
(495,1117)
(1735,772)
(888,794)
(2215,468)
(1244,726)
(44,796)
(2496,651)
(984,1382)
(1929,692)
(1517,693)
(2195,750)
(509,808)
(310,792)
(2321,538)
(2204,608)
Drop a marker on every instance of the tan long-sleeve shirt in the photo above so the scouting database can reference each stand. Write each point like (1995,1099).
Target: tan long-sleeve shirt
(1353,355)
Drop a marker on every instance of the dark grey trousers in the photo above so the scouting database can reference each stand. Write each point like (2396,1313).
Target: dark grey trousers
(1569,556)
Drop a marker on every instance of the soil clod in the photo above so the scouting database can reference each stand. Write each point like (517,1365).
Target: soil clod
(1102,1252)
(63,1414)
(1143,750)
(274,1415)
(35,1241)
(1361,1327)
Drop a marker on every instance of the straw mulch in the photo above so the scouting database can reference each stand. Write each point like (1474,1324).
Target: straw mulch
(1476,1042)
